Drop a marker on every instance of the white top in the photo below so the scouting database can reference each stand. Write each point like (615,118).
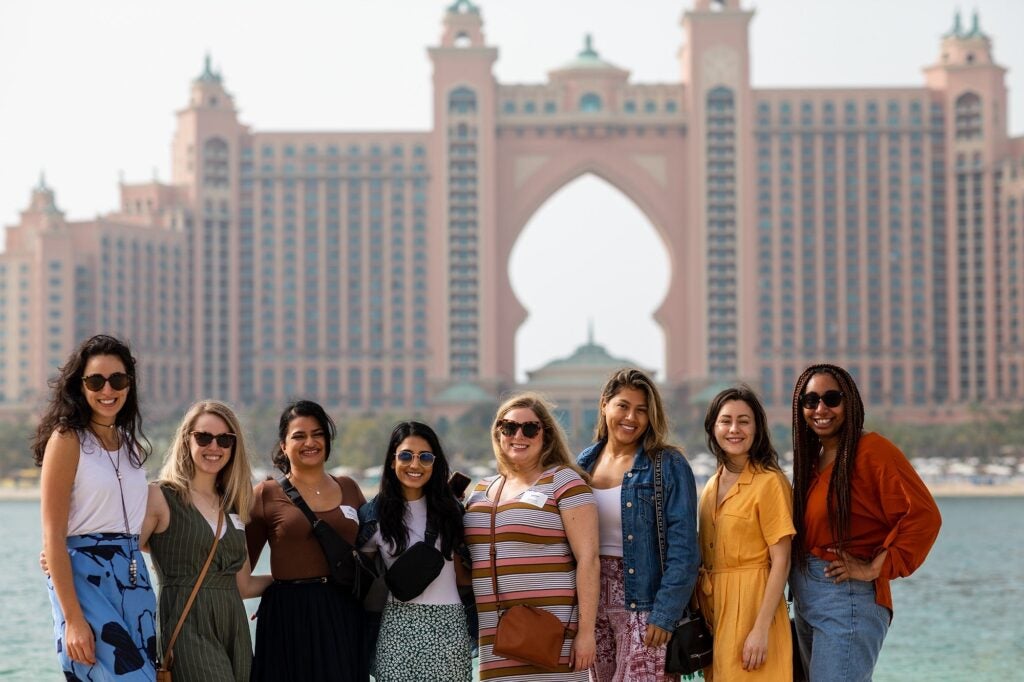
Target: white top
(95,496)
(443,589)
(609,520)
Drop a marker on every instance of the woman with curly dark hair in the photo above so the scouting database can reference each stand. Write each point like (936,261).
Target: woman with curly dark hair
(423,637)
(91,448)
(309,627)
(745,529)
(863,517)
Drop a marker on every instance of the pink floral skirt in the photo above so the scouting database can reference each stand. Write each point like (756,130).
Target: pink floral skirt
(621,654)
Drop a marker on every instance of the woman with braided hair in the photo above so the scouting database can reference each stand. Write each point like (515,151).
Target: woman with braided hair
(863,517)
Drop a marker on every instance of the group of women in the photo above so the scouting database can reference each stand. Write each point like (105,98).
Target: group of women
(614,543)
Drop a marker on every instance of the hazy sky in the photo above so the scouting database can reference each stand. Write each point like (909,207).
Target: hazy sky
(88,90)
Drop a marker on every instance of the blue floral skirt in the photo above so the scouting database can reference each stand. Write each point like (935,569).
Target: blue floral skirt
(122,615)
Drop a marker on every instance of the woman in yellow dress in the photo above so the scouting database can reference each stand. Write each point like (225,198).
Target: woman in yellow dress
(745,528)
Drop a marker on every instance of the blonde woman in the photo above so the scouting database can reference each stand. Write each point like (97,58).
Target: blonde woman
(206,474)
(545,539)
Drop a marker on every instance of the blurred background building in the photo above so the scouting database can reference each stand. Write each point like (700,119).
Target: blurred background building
(877,228)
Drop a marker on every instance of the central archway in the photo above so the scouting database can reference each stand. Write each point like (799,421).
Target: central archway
(589,255)
(650,172)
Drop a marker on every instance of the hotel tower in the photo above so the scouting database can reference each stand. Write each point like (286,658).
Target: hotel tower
(878,228)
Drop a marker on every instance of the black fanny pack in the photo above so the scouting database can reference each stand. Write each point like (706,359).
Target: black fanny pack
(415,568)
(349,567)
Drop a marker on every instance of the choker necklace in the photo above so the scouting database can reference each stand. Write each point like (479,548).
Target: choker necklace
(107,426)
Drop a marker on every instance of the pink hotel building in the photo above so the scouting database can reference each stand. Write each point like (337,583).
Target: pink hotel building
(879,228)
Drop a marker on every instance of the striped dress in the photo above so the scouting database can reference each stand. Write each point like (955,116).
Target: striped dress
(535,564)
(214,644)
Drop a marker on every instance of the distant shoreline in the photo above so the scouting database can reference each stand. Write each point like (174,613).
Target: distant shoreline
(938,490)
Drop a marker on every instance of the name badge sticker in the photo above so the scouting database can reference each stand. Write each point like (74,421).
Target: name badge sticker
(534,497)
(237,521)
(350,513)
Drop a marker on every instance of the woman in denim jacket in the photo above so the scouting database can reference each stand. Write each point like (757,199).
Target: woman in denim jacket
(639,604)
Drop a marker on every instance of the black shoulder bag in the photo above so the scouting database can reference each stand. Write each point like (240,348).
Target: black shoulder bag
(416,567)
(689,650)
(348,566)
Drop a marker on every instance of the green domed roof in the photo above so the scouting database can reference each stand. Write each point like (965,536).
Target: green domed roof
(588,59)
(463,392)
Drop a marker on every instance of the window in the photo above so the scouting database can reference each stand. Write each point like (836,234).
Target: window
(590,103)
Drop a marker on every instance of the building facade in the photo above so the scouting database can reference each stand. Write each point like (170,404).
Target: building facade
(878,228)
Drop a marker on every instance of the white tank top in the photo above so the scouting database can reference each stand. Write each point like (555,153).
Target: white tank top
(609,520)
(95,496)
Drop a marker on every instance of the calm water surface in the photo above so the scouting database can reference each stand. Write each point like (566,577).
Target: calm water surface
(957,618)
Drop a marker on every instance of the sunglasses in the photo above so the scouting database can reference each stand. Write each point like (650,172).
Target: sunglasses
(508,428)
(830,398)
(117,380)
(425,458)
(224,440)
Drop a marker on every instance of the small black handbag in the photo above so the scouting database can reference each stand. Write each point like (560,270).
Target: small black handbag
(415,568)
(690,648)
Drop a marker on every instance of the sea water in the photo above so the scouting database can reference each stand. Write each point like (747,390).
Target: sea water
(959,617)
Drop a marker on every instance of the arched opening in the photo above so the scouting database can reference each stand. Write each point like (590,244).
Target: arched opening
(589,255)
(590,103)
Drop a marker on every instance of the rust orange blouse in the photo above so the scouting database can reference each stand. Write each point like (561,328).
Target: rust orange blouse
(891,509)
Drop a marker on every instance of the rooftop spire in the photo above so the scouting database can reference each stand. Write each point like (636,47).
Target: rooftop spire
(590,331)
(975,27)
(958,30)
(42,181)
(463,6)
(209,75)
(588,47)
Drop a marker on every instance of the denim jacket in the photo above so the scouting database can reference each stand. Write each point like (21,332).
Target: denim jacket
(665,596)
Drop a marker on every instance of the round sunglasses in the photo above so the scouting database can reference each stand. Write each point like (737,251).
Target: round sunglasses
(425,458)
(118,381)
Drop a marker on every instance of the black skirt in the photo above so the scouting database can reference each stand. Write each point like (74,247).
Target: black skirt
(311,632)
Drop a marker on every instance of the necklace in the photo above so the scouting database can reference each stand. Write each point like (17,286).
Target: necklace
(316,489)
(133,566)
(109,426)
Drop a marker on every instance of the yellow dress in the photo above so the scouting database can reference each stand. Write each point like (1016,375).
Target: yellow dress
(734,538)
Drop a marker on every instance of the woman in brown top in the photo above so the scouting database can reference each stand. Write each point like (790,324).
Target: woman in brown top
(309,628)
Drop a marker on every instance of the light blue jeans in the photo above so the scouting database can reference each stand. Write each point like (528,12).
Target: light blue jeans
(840,628)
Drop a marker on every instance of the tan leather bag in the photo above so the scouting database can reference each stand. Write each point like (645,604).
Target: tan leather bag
(524,633)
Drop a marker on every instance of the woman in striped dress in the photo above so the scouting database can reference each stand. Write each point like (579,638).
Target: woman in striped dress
(545,539)
(205,482)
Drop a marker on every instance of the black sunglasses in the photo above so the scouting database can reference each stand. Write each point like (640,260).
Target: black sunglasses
(831,398)
(425,458)
(224,440)
(508,428)
(117,380)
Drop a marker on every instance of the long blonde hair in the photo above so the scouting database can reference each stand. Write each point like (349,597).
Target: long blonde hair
(555,448)
(234,481)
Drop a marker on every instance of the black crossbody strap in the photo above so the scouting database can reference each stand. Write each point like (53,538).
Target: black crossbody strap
(659,511)
(293,494)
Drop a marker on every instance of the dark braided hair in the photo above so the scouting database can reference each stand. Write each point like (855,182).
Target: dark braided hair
(443,510)
(762,455)
(806,449)
(69,410)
